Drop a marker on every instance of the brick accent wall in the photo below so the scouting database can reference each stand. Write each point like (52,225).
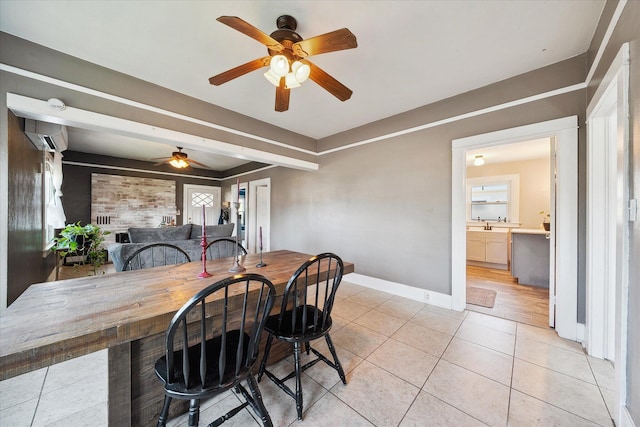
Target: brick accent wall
(119,202)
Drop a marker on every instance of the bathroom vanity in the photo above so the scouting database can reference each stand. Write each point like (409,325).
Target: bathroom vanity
(530,256)
(488,248)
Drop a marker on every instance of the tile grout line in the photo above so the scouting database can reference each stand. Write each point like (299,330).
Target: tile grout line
(513,366)
(599,387)
(462,367)
(35,411)
(558,372)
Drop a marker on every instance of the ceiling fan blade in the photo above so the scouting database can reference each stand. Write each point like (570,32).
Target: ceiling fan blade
(282,97)
(330,84)
(245,28)
(197,163)
(330,42)
(162,162)
(239,71)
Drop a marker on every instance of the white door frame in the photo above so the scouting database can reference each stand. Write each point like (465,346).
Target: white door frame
(604,241)
(564,225)
(252,219)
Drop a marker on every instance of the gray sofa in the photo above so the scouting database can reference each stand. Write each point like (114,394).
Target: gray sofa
(186,237)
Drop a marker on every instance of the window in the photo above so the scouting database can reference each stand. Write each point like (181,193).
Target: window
(199,199)
(52,212)
(48,198)
(493,198)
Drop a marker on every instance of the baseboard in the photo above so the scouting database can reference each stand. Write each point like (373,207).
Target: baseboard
(625,418)
(410,292)
(580,332)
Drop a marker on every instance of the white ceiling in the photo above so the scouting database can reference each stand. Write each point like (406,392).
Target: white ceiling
(409,54)
(515,152)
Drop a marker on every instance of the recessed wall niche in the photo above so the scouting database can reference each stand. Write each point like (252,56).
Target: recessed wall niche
(119,202)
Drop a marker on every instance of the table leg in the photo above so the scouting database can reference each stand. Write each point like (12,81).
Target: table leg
(119,397)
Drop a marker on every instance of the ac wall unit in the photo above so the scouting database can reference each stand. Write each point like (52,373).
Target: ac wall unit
(46,136)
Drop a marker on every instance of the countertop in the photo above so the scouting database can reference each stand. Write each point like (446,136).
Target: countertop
(528,231)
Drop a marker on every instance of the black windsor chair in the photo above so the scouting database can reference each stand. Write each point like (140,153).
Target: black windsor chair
(221,347)
(224,248)
(305,315)
(155,255)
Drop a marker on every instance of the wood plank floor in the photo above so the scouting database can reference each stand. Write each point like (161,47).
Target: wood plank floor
(526,304)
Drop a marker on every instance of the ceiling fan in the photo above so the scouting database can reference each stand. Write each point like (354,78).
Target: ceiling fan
(288,53)
(179,160)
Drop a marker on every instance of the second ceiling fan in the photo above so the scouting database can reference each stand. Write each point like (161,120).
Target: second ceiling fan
(288,53)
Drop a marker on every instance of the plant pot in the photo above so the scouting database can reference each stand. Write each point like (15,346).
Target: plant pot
(546,226)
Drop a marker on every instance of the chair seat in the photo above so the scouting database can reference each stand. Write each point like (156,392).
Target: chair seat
(295,332)
(212,378)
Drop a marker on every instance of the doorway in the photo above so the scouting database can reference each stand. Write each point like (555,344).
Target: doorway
(509,189)
(563,221)
(254,213)
(259,215)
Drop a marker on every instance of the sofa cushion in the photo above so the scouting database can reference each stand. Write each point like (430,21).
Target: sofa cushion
(164,234)
(213,231)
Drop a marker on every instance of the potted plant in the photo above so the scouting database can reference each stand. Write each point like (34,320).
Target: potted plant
(546,220)
(86,242)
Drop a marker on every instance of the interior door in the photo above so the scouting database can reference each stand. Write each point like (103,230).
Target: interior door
(196,196)
(259,217)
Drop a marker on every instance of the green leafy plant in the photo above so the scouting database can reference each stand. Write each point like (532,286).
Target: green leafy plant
(86,241)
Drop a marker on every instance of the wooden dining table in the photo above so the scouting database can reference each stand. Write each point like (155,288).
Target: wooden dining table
(126,313)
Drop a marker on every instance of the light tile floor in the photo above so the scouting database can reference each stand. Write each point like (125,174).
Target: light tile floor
(407,364)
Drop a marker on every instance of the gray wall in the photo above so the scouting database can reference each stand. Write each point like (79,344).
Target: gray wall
(386,206)
(628,30)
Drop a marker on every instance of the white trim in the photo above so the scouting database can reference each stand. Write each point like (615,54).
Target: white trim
(406,291)
(125,101)
(625,418)
(565,224)
(89,91)
(475,113)
(605,40)
(39,110)
(614,86)
(99,165)
(601,220)
(252,171)
(580,332)
(122,168)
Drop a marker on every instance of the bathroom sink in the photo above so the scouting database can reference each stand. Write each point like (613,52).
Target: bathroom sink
(493,228)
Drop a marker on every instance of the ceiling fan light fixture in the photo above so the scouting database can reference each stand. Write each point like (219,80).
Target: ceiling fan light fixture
(179,163)
(301,71)
(479,161)
(290,81)
(273,77)
(279,65)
